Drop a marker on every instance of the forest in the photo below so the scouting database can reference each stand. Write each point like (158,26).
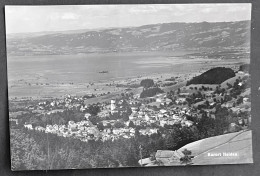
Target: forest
(213,76)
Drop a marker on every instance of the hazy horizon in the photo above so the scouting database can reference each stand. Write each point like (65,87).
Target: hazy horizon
(104,28)
(59,18)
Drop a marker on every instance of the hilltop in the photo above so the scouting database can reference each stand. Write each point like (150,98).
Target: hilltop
(154,37)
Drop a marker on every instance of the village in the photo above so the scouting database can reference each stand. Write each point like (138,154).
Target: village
(131,115)
(84,130)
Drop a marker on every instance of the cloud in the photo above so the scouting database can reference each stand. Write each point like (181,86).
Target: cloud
(67,17)
(63,16)
(70,16)
(178,14)
(141,9)
(237,8)
(207,10)
(181,7)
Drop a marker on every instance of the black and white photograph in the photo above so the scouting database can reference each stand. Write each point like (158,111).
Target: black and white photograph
(136,85)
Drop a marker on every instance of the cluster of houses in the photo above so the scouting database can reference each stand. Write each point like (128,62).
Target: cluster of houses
(140,116)
(85,131)
(58,105)
(162,117)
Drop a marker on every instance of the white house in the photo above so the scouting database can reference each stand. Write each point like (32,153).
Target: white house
(163,111)
(87,115)
(245,100)
(163,122)
(28,126)
(146,117)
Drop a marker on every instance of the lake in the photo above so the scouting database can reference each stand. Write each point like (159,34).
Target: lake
(80,69)
(86,68)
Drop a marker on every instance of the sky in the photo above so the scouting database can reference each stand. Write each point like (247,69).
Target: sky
(25,19)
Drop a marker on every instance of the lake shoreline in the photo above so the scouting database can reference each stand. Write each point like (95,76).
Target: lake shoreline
(45,84)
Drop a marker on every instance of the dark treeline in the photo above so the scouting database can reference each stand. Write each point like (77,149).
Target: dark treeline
(37,150)
(245,68)
(213,76)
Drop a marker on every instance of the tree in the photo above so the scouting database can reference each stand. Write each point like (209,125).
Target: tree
(93,109)
(125,117)
(131,124)
(186,152)
(206,126)
(93,120)
(170,142)
(207,103)
(147,83)
(109,125)
(128,110)
(137,133)
(119,124)
(186,159)
(159,163)
(100,126)
(150,92)
(239,100)
(221,121)
(174,139)
(152,156)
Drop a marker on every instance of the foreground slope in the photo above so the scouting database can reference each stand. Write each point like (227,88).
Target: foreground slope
(232,148)
(238,147)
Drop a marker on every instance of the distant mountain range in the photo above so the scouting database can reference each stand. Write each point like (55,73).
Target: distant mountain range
(154,37)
